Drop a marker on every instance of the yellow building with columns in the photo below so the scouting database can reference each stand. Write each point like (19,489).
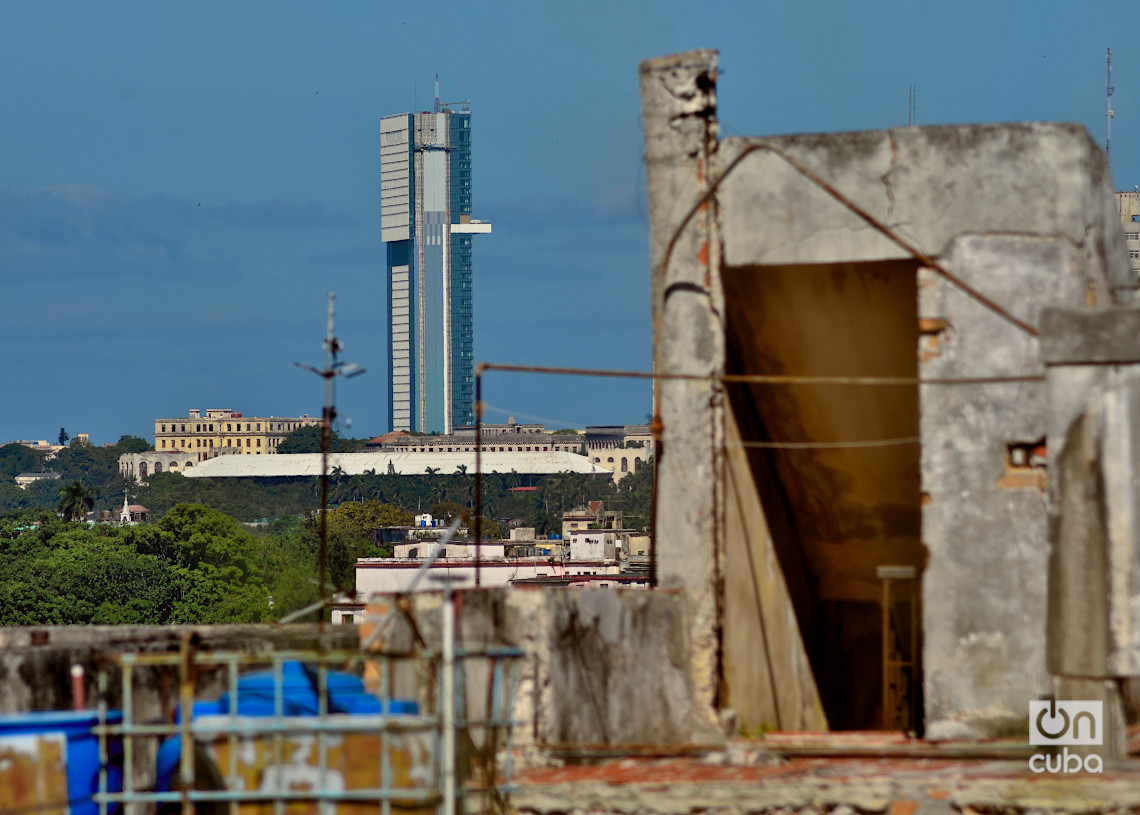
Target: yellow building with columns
(225,432)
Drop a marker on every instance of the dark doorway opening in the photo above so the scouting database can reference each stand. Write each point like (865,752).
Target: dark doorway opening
(834,468)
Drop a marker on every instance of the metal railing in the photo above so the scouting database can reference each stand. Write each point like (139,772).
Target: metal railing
(331,760)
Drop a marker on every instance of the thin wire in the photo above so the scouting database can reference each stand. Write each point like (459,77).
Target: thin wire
(824,445)
(544,419)
(870,219)
(762,379)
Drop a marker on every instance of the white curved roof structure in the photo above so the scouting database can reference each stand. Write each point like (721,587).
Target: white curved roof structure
(281,465)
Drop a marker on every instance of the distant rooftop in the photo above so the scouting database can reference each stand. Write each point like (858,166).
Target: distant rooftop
(281,465)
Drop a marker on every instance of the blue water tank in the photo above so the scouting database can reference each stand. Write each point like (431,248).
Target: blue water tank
(82,759)
(346,694)
(299,694)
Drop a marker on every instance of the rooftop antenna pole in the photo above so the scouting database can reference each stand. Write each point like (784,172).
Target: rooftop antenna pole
(910,107)
(436,106)
(1109,113)
(333,368)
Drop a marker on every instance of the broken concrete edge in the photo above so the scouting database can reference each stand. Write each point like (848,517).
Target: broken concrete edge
(864,788)
(678,106)
(597,668)
(1101,336)
(888,174)
(1092,358)
(601,671)
(252,637)
(36,661)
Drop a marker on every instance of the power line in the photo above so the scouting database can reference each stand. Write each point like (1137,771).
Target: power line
(825,445)
(759,379)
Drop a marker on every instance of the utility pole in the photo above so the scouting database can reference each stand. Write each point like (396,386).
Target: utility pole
(1109,113)
(333,368)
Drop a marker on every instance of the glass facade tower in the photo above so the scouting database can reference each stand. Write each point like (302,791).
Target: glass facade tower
(426,224)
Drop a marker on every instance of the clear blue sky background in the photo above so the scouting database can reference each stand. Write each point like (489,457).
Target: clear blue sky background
(181,183)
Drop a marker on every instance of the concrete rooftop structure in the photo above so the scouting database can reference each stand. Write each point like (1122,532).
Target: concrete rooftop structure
(861,311)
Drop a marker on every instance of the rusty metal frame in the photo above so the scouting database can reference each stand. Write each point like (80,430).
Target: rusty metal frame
(189,661)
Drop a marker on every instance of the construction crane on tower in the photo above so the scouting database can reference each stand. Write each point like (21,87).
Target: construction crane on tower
(439,106)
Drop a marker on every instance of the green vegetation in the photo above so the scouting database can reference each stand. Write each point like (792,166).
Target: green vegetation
(16,459)
(194,566)
(95,468)
(350,536)
(75,501)
(242,498)
(308,440)
(304,440)
(635,497)
(195,562)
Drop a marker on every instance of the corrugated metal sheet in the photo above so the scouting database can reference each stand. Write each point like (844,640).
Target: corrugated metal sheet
(280,465)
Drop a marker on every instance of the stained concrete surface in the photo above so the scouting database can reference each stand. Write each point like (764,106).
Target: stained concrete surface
(35,661)
(751,776)
(994,223)
(600,667)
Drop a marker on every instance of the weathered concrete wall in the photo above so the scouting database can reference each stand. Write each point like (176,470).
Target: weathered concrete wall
(35,662)
(984,522)
(1022,217)
(1093,359)
(602,667)
(969,197)
(678,103)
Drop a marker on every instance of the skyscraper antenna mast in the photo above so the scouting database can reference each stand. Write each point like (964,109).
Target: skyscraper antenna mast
(1109,113)
(435,108)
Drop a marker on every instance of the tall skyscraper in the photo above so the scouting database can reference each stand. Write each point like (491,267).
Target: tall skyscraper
(425,221)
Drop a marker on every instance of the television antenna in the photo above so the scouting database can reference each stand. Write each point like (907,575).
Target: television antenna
(334,367)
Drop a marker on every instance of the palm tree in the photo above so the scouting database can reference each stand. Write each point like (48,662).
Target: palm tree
(461,469)
(75,501)
(432,470)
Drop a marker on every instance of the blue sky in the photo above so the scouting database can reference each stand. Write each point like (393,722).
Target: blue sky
(180,184)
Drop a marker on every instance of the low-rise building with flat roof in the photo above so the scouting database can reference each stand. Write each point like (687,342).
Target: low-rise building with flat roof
(24,479)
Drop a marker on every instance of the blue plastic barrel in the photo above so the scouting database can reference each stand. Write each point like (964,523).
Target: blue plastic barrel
(82,759)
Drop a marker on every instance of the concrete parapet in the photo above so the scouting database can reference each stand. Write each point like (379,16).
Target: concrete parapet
(602,668)
(35,662)
(1093,632)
